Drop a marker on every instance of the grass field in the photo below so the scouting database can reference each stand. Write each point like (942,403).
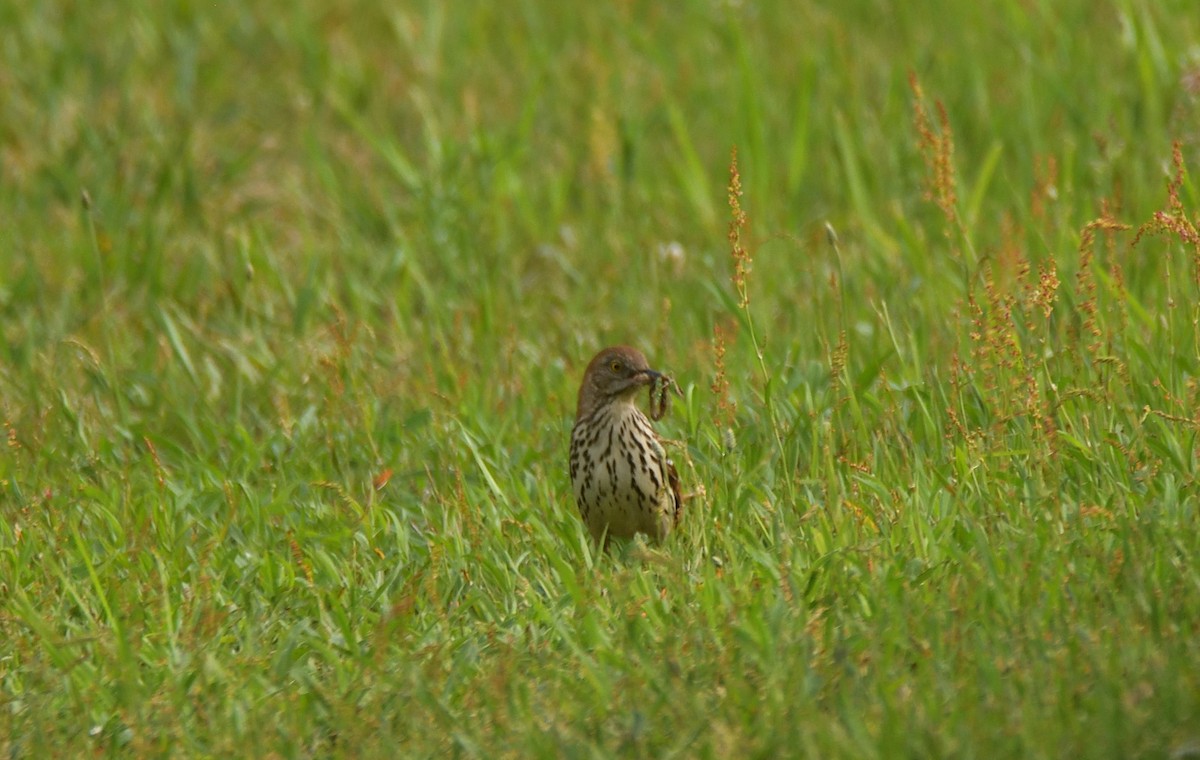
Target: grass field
(296,296)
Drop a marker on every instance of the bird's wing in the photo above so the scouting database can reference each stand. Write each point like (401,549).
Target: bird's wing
(673,484)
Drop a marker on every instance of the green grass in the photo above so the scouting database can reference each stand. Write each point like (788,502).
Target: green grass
(287,401)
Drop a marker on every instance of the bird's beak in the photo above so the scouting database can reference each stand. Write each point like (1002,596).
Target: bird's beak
(648,376)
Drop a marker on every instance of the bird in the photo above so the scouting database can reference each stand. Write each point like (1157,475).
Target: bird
(624,483)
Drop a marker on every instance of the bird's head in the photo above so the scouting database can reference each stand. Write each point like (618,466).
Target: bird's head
(615,374)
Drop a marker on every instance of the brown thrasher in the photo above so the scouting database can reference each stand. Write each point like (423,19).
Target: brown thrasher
(624,483)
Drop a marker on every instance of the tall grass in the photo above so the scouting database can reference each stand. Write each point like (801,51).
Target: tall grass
(295,300)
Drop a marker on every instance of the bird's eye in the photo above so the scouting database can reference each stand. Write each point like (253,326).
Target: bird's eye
(614,365)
